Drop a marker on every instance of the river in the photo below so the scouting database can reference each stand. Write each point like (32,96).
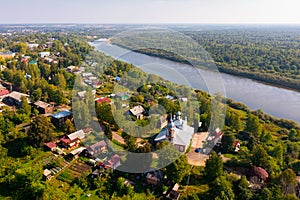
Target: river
(279,102)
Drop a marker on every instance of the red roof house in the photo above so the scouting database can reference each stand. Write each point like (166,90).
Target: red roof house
(114,162)
(103,99)
(3,91)
(51,146)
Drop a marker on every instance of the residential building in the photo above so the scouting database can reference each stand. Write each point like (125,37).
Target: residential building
(15,99)
(59,119)
(97,148)
(103,99)
(73,139)
(44,54)
(43,107)
(138,112)
(114,162)
(7,55)
(3,92)
(174,194)
(51,146)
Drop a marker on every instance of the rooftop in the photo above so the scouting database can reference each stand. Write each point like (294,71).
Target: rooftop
(17,95)
(78,134)
(61,114)
(42,104)
(137,110)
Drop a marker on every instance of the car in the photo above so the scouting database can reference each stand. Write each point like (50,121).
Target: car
(198,150)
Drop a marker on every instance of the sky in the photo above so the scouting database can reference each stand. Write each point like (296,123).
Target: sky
(151,11)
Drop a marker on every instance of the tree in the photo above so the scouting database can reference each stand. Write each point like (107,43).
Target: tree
(252,125)
(81,113)
(60,80)
(41,131)
(69,127)
(260,156)
(213,167)
(122,188)
(236,122)
(25,107)
(221,189)
(228,142)
(288,182)
(242,189)
(177,170)
(107,131)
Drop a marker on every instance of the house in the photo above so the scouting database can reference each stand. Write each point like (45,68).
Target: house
(2,68)
(123,96)
(114,162)
(51,146)
(7,55)
(154,177)
(47,174)
(137,111)
(43,107)
(32,46)
(174,194)
(44,54)
(97,148)
(76,152)
(103,99)
(73,139)
(3,91)
(60,118)
(86,75)
(257,175)
(32,62)
(15,99)
(178,133)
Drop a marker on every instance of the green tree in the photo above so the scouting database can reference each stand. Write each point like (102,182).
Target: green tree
(221,189)
(260,156)
(252,125)
(177,170)
(25,107)
(228,142)
(213,167)
(69,127)
(288,182)
(242,189)
(41,131)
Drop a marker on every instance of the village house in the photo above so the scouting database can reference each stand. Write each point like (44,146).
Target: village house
(2,68)
(32,46)
(75,153)
(15,99)
(103,99)
(47,174)
(122,95)
(51,146)
(137,111)
(97,148)
(3,92)
(174,194)
(44,54)
(59,119)
(178,133)
(7,55)
(43,107)
(114,162)
(73,139)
